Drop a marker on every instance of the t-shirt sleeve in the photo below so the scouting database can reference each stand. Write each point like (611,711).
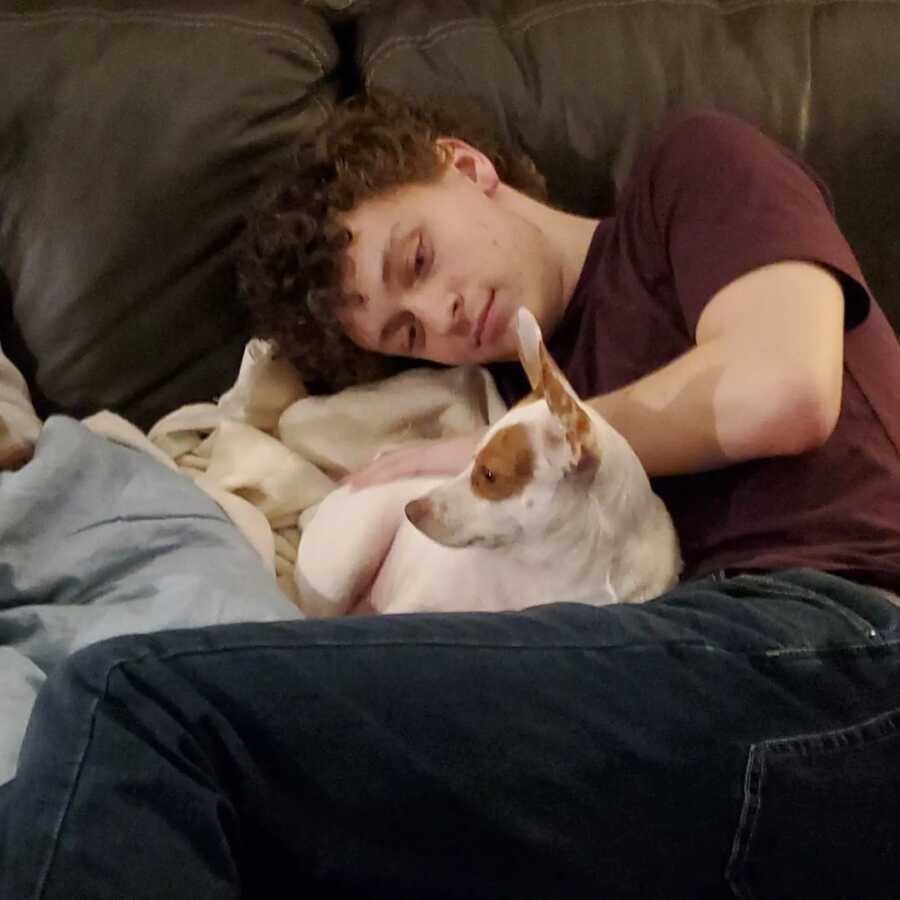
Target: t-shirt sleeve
(725,199)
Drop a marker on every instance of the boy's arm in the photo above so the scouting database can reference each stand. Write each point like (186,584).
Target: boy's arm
(763,380)
(441,457)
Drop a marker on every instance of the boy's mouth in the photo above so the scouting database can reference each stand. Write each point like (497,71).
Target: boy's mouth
(482,319)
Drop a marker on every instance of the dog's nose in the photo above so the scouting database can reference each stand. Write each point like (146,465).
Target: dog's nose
(416,510)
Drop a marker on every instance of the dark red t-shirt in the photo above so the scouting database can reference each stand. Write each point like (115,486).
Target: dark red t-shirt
(710,199)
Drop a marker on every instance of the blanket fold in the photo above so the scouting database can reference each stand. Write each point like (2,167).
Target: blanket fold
(268,453)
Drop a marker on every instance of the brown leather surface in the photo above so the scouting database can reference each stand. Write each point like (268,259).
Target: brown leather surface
(134,135)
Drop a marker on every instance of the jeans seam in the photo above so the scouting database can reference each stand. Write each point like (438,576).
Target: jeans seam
(791,590)
(79,768)
(400,642)
(835,650)
(406,643)
(743,835)
(755,773)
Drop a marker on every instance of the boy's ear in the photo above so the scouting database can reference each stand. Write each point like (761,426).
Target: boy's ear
(548,381)
(471,162)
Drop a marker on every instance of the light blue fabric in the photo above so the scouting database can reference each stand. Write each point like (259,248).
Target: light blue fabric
(98,539)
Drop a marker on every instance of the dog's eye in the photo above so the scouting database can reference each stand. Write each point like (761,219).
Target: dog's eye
(488,474)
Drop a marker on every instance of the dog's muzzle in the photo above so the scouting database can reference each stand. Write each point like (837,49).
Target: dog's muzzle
(417,511)
(428,517)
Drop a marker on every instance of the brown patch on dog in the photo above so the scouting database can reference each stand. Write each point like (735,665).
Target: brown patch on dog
(504,466)
(561,400)
(563,403)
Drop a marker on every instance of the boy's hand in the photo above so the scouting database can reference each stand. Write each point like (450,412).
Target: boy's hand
(447,456)
(13,453)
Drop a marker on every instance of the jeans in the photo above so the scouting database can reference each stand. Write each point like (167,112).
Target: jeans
(738,737)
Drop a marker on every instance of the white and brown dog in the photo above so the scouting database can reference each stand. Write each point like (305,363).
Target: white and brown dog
(555,506)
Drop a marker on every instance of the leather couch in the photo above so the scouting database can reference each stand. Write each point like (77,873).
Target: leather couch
(136,133)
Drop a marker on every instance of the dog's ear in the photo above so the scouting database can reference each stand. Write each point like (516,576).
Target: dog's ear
(530,342)
(563,402)
(547,380)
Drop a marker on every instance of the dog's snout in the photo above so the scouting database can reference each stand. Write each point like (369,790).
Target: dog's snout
(417,510)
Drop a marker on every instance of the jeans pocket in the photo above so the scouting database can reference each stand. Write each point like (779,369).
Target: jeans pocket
(821,816)
(792,589)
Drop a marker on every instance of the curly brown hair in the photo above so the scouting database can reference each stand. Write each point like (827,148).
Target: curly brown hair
(290,259)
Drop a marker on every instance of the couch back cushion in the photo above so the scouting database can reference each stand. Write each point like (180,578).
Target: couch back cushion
(134,136)
(580,84)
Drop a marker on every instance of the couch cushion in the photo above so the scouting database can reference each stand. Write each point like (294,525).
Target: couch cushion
(134,135)
(579,84)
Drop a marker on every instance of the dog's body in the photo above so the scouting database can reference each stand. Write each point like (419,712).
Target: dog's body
(555,506)
(412,573)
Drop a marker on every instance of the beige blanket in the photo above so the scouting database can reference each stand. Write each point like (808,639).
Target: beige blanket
(268,453)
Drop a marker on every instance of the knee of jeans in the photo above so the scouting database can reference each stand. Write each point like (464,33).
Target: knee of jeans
(88,667)
(65,704)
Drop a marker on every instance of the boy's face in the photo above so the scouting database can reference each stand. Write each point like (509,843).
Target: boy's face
(441,268)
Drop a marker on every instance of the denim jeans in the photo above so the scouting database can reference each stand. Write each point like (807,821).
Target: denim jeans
(737,737)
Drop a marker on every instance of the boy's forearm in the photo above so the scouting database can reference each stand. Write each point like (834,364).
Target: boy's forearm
(709,409)
(671,428)
(764,379)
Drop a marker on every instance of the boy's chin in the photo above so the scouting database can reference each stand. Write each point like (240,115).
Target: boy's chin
(502,350)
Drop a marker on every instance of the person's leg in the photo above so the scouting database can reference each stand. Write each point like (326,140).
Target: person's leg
(737,736)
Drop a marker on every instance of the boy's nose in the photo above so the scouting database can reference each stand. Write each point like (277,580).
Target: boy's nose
(459,322)
(446,315)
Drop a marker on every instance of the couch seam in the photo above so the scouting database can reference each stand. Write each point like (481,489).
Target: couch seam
(234,24)
(446,29)
(539,17)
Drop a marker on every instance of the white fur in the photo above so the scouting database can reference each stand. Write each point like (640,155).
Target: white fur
(582,529)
